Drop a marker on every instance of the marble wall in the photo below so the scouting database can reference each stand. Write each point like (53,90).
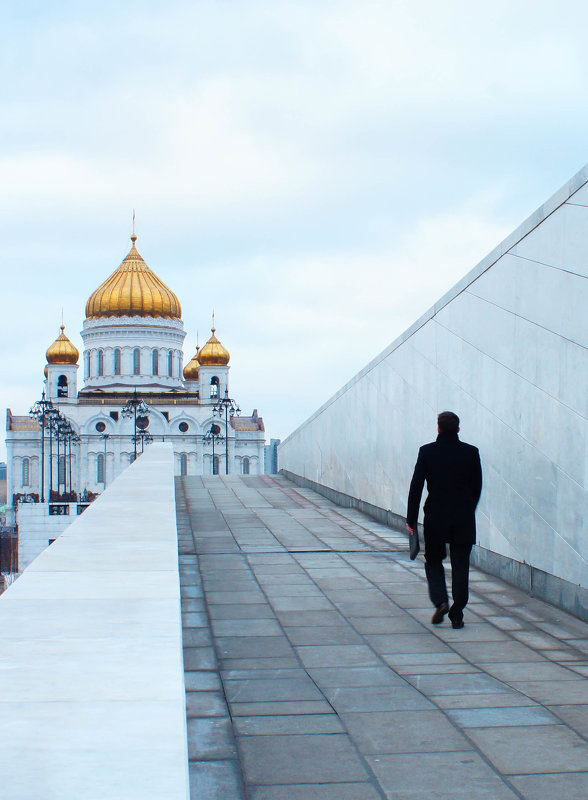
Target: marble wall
(92,696)
(507,350)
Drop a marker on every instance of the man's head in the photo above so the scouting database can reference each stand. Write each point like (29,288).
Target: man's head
(448,422)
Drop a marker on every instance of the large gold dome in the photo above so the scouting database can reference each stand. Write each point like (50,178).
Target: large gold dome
(62,351)
(133,290)
(213,354)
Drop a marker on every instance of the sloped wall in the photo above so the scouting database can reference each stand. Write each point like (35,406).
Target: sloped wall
(506,349)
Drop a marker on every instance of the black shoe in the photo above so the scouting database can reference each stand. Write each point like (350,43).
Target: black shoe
(457,623)
(440,612)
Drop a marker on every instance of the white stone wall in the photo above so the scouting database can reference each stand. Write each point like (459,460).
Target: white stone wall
(92,697)
(507,350)
(37,528)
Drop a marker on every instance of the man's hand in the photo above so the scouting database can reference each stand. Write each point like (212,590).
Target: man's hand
(409,529)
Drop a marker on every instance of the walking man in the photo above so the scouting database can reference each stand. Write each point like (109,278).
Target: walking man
(453,474)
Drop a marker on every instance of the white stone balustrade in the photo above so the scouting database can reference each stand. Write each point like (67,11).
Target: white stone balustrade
(92,698)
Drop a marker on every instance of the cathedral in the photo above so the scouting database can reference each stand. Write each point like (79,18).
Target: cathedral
(135,390)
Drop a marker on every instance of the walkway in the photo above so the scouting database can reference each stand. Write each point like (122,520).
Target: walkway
(313,672)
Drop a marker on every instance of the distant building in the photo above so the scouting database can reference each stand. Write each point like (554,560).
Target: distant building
(133,336)
(3,491)
(270,457)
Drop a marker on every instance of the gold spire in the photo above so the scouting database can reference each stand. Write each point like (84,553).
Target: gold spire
(133,290)
(62,351)
(191,368)
(213,354)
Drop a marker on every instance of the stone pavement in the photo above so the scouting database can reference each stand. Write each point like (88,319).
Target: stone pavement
(313,672)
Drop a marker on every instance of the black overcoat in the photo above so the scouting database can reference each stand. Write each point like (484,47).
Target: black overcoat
(453,474)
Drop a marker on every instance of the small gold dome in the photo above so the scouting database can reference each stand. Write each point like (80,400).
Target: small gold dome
(213,354)
(191,369)
(62,351)
(133,290)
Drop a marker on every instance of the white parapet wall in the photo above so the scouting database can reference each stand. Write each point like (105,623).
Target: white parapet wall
(38,528)
(92,697)
(507,350)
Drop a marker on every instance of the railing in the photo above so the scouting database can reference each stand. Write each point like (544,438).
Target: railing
(58,509)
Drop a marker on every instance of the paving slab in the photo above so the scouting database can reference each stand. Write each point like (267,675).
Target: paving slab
(499,717)
(305,758)
(316,791)
(263,691)
(288,723)
(456,775)
(569,785)
(216,780)
(314,673)
(537,748)
(404,732)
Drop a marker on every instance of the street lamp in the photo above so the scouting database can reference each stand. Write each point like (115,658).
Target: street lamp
(63,433)
(74,440)
(227,407)
(142,436)
(213,435)
(39,411)
(52,417)
(136,407)
(105,437)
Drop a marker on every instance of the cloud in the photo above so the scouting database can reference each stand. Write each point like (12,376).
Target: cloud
(318,173)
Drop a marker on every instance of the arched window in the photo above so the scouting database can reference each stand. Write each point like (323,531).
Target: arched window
(117,361)
(214,386)
(245,466)
(100,468)
(88,370)
(183,464)
(61,471)
(136,361)
(155,362)
(62,386)
(100,362)
(215,463)
(170,364)
(26,472)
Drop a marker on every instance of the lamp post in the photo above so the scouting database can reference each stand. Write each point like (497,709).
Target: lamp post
(227,407)
(66,431)
(52,416)
(105,437)
(135,407)
(74,440)
(213,435)
(39,412)
(63,432)
(143,436)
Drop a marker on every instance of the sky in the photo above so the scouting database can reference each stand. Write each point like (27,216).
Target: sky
(318,173)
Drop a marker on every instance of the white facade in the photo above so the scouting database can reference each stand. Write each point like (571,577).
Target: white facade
(144,352)
(507,350)
(123,355)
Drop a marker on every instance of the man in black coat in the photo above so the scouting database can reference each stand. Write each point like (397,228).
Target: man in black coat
(453,474)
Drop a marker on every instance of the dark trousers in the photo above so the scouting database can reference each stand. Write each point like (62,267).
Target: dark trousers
(459,555)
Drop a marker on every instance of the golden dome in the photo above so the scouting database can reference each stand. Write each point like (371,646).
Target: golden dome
(191,369)
(133,290)
(213,354)
(62,351)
